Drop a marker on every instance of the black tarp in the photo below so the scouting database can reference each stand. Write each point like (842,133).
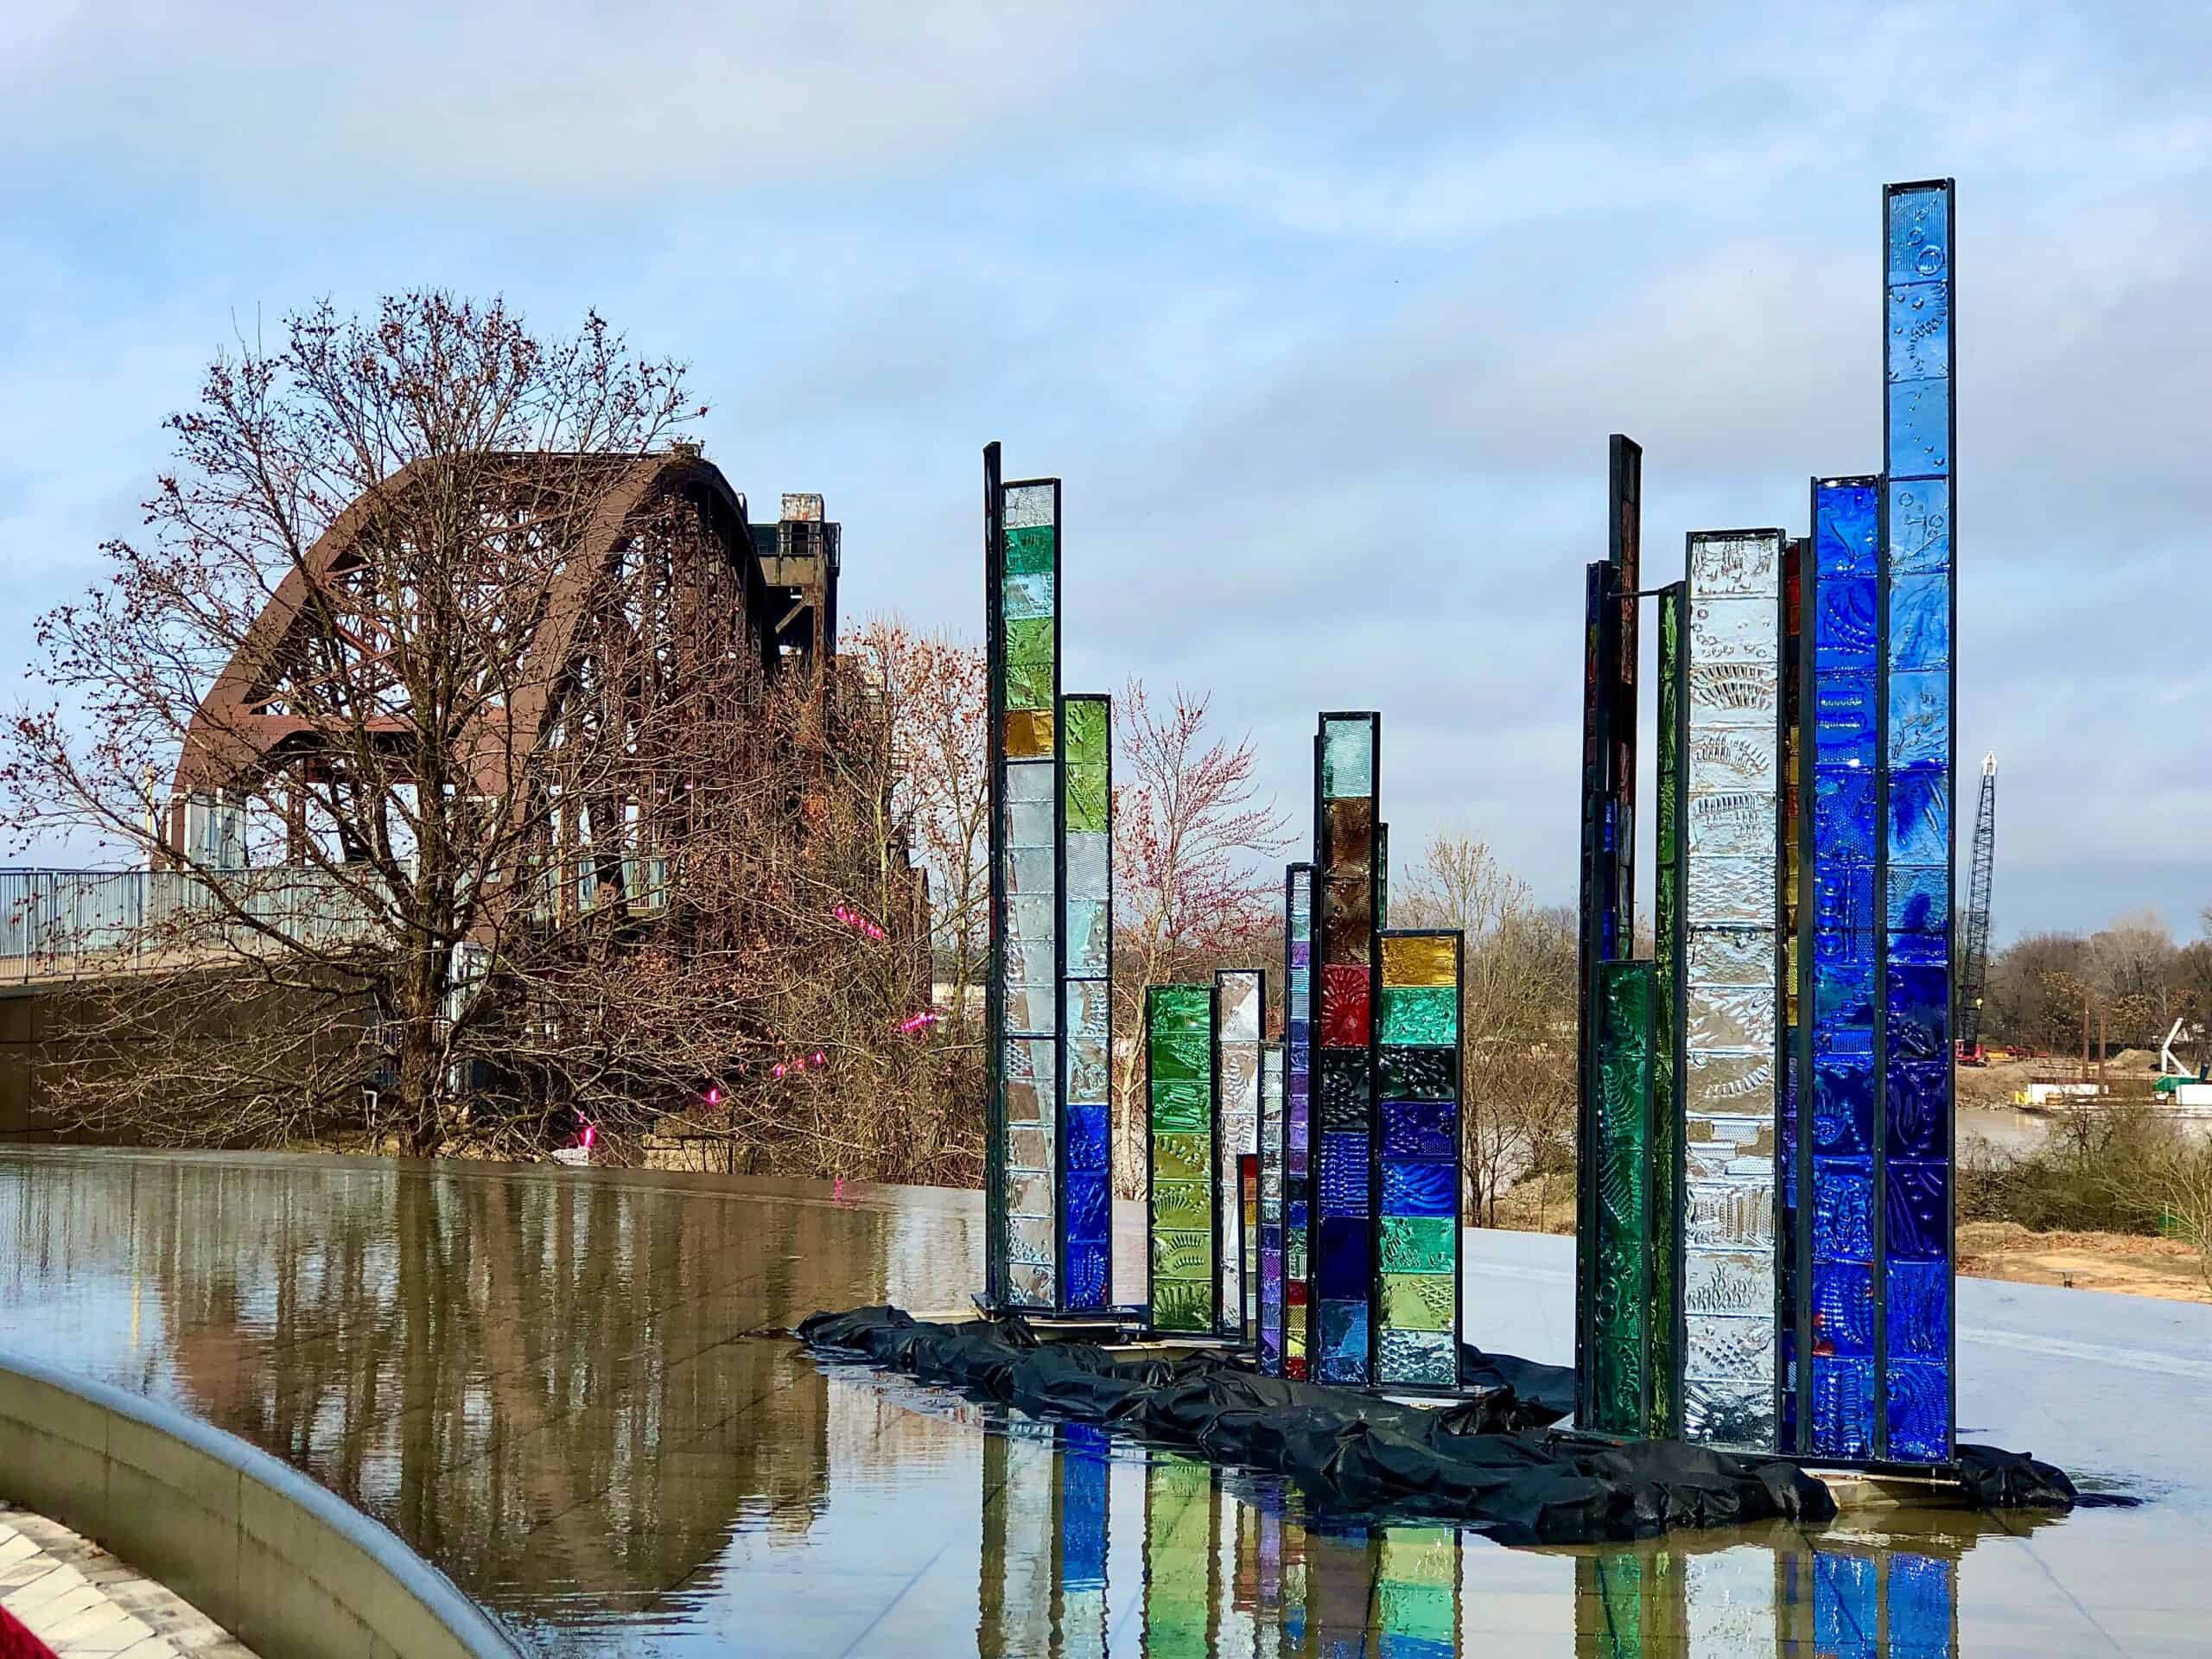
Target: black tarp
(1489,1462)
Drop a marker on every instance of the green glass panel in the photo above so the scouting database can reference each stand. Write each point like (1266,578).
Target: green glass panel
(1179,1549)
(1425,1015)
(1347,759)
(1182,1304)
(1182,1206)
(1179,1055)
(1624,1321)
(1417,1243)
(1418,1301)
(1028,639)
(1182,1156)
(1029,685)
(1180,1106)
(1185,1008)
(1183,1253)
(1027,595)
(1029,550)
(1086,732)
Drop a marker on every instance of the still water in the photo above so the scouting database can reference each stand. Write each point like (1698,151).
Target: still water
(551,1383)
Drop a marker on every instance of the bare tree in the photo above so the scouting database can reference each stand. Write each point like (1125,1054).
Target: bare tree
(2131,967)
(1192,891)
(1517,1012)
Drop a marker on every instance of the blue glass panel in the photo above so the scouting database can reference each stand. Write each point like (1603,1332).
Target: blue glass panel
(1419,1189)
(1844,625)
(1920,1410)
(1843,727)
(1090,1204)
(1920,526)
(1344,1174)
(1843,1408)
(1919,1012)
(1087,1274)
(1918,1310)
(1295,1210)
(1916,1211)
(1916,236)
(1917,1101)
(1844,814)
(1920,815)
(1920,332)
(1843,1008)
(1343,1341)
(1920,426)
(1919,719)
(1843,910)
(1919,1607)
(1087,1137)
(1920,621)
(1341,1255)
(1846,1613)
(1083,1507)
(1848,530)
(1843,1105)
(1843,1213)
(1420,1128)
(1843,1310)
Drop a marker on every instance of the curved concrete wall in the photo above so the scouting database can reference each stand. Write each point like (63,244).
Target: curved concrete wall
(291,1569)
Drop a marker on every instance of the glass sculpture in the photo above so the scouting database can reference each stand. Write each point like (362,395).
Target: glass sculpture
(1788,1264)
(1416,1155)
(1840,874)
(1182,1224)
(1086,1250)
(1247,1208)
(1618,1399)
(1342,1247)
(1730,1062)
(1023,1144)
(1913,1162)
(1240,1002)
(1298,1061)
(1265,1279)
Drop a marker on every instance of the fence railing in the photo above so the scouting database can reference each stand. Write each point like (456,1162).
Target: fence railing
(72,923)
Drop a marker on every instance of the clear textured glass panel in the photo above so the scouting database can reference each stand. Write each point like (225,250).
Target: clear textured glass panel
(1029,870)
(1733,1016)
(1729,1083)
(1736,1348)
(1088,864)
(1748,566)
(1737,824)
(1734,693)
(1347,758)
(1029,1238)
(1424,1359)
(1025,963)
(1734,757)
(1089,1004)
(1919,346)
(1739,891)
(1721,1282)
(1030,918)
(1030,784)
(1086,1070)
(1240,1007)
(1088,933)
(1731,956)
(1030,1008)
(1027,595)
(1920,526)
(1029,823)
(1029,506)
(1728,1413)
(1735,630)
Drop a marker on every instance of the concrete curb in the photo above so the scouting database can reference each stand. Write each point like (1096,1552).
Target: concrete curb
(286,1565)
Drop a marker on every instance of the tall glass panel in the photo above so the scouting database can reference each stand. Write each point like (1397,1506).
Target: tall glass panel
(1417,1160)
(1913,1052)
(1837,1158)
(1668,1066)
(1240,998)
(1181,1583)
(1086,991)
(1268,1340)
(1184,1233)
(1297,1060)
(1730,938)
(1343,1248)
(1618,1398)
(1023,1160)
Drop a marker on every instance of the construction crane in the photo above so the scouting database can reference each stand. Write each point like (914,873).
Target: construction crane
(1973,955)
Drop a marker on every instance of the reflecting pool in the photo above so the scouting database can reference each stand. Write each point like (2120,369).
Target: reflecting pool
(563,1387)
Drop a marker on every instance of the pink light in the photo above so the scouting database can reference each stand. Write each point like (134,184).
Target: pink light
(591,1135)
(916,1022)
(715,1096)
(820,1058)
(779,1070)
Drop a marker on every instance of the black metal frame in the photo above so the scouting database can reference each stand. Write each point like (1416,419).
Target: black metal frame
(1459,1156)
(1060,701)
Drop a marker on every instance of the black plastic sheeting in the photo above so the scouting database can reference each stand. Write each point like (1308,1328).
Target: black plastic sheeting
(1489,1461)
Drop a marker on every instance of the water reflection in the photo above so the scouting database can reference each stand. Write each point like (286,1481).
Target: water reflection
(546,1383)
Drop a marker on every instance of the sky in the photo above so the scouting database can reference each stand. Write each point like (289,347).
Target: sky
(1323,311)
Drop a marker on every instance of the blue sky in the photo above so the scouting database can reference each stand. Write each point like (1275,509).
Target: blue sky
(1288,294)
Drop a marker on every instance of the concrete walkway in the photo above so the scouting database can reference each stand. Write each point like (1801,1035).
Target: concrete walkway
(79,1600)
